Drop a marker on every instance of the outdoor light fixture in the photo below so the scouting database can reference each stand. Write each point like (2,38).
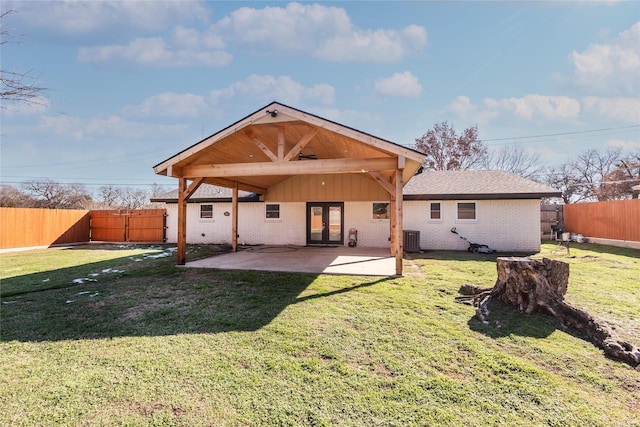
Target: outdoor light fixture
(273,113)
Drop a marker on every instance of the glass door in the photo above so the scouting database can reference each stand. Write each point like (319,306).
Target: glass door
(325,223)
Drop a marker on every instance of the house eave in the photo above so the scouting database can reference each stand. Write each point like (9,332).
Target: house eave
(485,196)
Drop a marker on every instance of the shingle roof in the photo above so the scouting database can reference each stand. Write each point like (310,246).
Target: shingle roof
(206,193)
(474,184)
(438,185)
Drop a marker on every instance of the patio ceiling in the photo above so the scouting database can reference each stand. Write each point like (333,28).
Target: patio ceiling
(275,143)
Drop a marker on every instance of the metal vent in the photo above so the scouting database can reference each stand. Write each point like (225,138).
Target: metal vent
(411,241)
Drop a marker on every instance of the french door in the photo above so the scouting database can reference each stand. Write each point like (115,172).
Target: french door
(325,223)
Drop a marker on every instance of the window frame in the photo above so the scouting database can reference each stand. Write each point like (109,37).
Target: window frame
(475,211)
(205,218)
(266,212)
(431,211)
(387,211)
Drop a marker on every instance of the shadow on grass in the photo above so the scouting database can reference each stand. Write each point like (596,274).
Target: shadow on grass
(463,255)
(154,299)
(505,321)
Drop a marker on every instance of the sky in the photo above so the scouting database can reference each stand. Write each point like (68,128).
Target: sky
(131,83)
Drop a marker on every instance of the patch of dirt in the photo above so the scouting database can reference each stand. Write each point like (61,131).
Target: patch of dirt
(150,409)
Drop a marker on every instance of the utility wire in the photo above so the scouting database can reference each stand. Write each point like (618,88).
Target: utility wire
(561,133)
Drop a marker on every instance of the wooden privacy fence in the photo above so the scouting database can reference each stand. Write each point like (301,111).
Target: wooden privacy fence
(26,227)
(615,219)
(142,225)
(550,215)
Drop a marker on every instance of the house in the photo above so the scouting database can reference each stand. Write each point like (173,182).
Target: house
(282,176)
(490,207)
(316,180)
(495,208)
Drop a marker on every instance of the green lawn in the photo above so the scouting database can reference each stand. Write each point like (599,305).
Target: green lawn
(142,342)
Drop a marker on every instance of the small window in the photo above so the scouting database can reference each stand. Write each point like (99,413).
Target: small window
(272,211)
(381,211)
(467,210)
(435,211)
(206,211)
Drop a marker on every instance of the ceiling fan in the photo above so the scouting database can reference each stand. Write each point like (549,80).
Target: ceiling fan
(307,156)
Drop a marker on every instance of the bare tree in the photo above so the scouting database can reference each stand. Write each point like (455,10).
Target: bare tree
(109,197)
(53,195)
(585,177)
(447,150)
(564,179)
(16,87)
(132,198)
(514,159)
(618,183)
(12,197)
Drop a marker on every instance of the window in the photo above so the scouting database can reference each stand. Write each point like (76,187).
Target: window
(206,211)
(381,211)
(467,210)
(272,211)
(434,212)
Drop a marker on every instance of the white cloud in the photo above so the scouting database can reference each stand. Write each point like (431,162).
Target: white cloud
(534,106)
(36,105)
(85,17)
(321,31)
(613,67)
(313,30)
(86,130)
(381,46)
(270,88)
(168,104)
(156,52)
(626,145)
(399,84)
(469,112)
(618,109)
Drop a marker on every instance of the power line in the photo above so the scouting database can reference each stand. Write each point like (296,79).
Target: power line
(561,133)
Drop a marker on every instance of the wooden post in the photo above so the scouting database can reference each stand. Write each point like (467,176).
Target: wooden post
(182,220)
(398,222)
(234,218)
(392,223)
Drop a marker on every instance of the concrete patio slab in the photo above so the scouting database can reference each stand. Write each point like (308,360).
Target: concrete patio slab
(302,259)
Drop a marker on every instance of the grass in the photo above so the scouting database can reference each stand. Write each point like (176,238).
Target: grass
(153,344)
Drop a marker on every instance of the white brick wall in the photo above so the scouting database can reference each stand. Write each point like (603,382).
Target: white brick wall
(371,232)
(505,225)
(253,228)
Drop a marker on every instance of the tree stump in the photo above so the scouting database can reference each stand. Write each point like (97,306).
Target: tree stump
(534,285)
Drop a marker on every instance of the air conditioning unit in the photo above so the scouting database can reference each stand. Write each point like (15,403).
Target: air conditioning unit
(411,241)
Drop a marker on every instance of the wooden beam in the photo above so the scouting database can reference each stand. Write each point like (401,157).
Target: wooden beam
(280,143)
(182,221)
(184,192)
(307,167)
(234,218)
(193,187)
(301,144)
(174,171)
(228,183)
(391,189)
(392,225)
(399,222)
(262,146)
(402,162)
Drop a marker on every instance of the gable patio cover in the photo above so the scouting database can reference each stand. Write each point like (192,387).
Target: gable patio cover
(264,149)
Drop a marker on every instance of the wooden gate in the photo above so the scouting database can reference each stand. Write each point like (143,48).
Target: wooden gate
(142,225)
(550,215)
